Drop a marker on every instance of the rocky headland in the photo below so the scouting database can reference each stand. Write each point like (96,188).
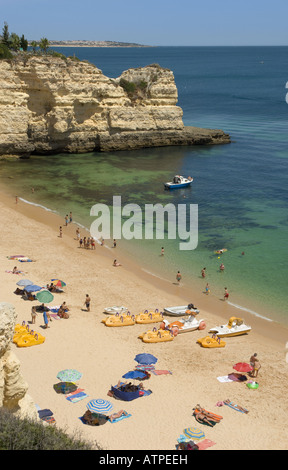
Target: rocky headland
(54,104)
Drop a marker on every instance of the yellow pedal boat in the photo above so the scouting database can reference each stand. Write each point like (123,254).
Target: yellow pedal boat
(30,339)
(210,342)
(19,330)
(149,317)
(156,336)
(119,320)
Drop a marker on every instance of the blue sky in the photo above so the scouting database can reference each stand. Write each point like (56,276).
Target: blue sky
(151,22)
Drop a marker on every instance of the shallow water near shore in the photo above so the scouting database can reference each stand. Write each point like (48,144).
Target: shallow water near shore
(240,188)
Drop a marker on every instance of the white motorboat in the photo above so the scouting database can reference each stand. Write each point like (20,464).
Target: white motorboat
(179,182)
(181,310)
(234,327)
(115,309)
(184,325)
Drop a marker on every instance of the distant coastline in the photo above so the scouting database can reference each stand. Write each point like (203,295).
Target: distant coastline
(84,43)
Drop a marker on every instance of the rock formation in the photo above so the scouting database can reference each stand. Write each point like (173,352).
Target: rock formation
(13,388)
(53,104)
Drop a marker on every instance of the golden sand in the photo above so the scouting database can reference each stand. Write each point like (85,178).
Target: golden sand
(104,354)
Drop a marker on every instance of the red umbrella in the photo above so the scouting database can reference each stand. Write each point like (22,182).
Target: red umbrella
(242,367)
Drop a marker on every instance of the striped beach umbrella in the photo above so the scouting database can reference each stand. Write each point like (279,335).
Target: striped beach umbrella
(194,433)
(69,375)
(58,283)
(99,406)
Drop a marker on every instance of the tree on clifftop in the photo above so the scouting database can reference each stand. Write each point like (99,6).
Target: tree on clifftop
(5,35)
(44,44)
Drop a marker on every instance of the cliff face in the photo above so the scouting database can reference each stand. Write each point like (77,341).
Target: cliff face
(13,388)
(51,105)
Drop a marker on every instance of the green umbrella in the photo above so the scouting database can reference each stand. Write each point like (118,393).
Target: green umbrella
(44,296)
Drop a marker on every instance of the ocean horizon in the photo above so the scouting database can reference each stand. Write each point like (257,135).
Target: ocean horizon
(240,188)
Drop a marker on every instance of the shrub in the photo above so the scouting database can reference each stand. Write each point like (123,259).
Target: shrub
(5,52)
(25,434)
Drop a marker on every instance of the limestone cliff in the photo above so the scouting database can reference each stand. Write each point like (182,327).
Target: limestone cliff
(13,388)
(51,105)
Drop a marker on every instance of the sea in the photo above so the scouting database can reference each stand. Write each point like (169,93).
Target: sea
(240,189)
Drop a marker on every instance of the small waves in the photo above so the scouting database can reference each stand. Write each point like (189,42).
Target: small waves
(249,311)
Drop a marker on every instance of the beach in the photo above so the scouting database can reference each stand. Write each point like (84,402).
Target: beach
(104,354)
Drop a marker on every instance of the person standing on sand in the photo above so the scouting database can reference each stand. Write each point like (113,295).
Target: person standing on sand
(87,302)
(178,277)
(114,243)
(78,233)
(33,314)
(226,294)
(66,220)
(60,232)
(254,362)
(207,289)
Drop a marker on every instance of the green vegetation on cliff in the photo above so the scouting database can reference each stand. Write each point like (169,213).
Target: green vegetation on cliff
(25,434)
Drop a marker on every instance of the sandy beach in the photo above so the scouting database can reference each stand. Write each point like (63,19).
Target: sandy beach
(104,354)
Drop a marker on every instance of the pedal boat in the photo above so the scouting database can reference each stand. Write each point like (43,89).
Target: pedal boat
(184,325)
(181,310)
(234,327)
(30,339)
(149,317)
(119,320)
(156,336)
(210,342)
(115,309)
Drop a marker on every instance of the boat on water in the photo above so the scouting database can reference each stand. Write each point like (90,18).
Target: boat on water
(184,325)
(115,309)
(234,327)
(179,182)
(181,310)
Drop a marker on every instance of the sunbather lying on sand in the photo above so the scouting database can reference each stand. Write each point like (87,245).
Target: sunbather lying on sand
(117,415)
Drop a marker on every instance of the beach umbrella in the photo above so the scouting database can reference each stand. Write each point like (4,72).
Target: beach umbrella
(242,367)
(194,433)
(44,296)
(69,375)
(65,387)
(145,358)
(135,374)
(99,406)
(24,282)
(58,282)
(32,288)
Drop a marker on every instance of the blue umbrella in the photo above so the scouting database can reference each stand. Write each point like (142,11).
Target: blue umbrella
(145,358)
(24,282)
(32,288)
(134,374)
(99,406)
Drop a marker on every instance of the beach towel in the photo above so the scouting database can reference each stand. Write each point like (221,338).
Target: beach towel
(49,419)
(203,445)
(71,394)
(161,372)
(18,272)
(45,413)
(78,397)
(119,419)
(145,367)
(224,379)
(236,407)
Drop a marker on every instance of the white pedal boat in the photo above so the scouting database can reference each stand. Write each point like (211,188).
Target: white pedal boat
(184,325)
(115,309)
(181,310)
(234,327)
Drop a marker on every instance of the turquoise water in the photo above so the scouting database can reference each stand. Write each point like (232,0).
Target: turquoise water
(240,188)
